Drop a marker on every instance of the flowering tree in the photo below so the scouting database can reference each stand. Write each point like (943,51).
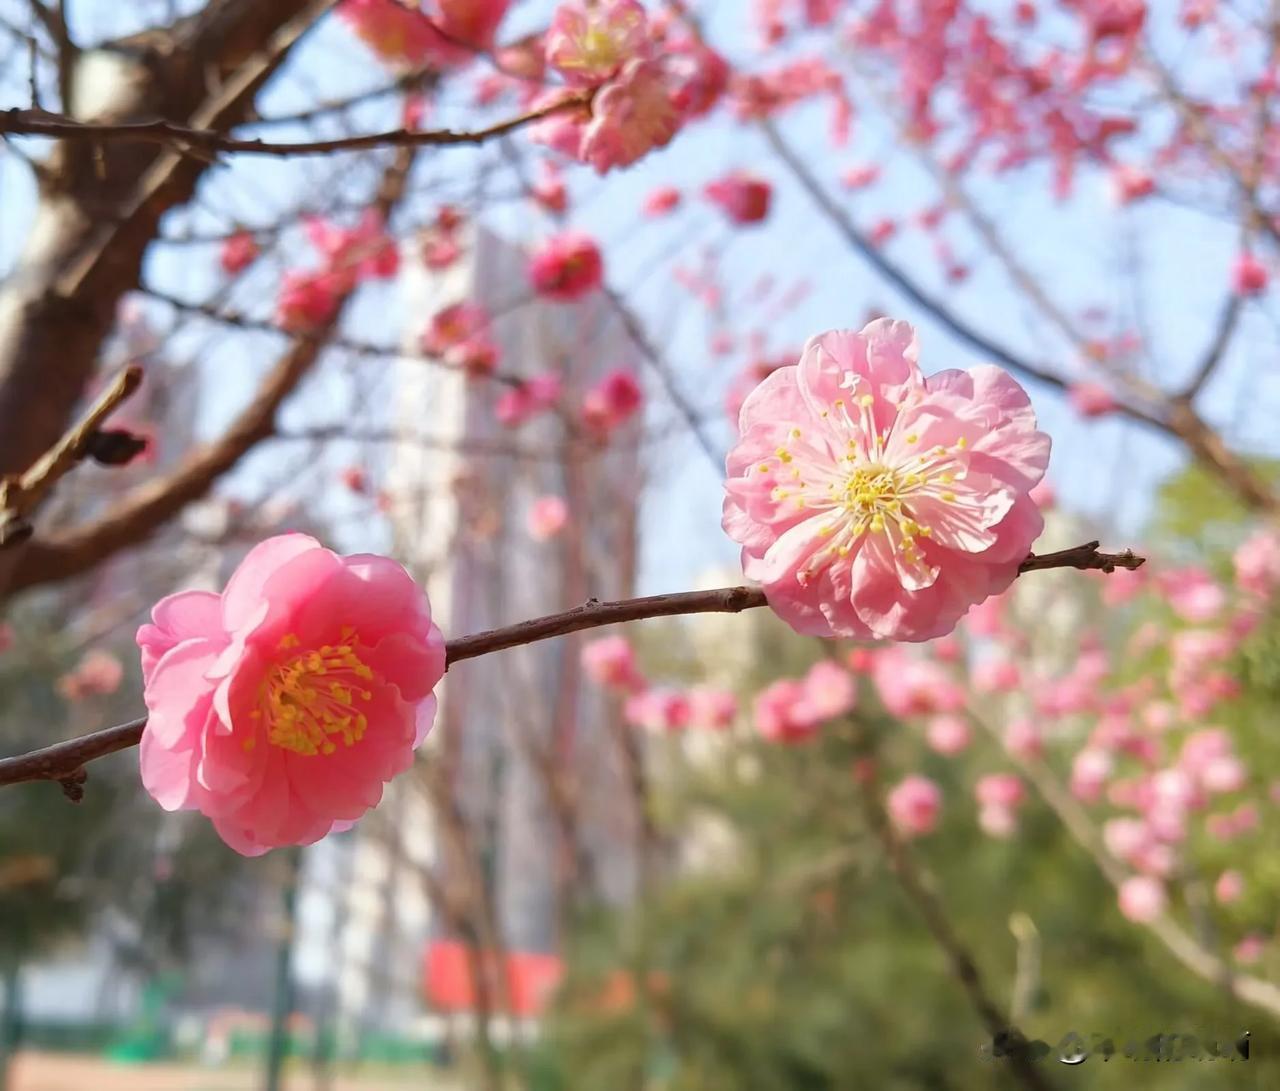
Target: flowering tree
(979,161)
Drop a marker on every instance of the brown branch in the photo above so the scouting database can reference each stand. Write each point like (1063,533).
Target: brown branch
(66,758)
(17,122)
(20,495)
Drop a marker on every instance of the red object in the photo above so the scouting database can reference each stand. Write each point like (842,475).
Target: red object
(450,986)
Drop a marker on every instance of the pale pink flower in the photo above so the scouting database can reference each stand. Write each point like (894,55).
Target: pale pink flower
(567,266)
(782,713)
(1194,594)
(872,501)
(661,201)
(238,253)
(1091,399)
(829,690)
(1229,887)
(588,43)
(1142,899)
(1249,276)
(98,674)
(611,662)
(452,325)
(1023,739)
(1257,563)
(527,399)
(909,685)
(1089,772)
(1250,949)
(712,707)
(860,177)
(997,821)
(547,517)
(631,115)
(405,36)
(658,710)
(281,707)
(1125,837)
(948,734)
(744,197)
(996,676)
(913,805)
(1000,790)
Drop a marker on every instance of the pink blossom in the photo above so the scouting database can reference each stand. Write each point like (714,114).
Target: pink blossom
(782,714)
(882,231)
(453,325)
(998,821)
(1125,838)
(995,676)
(860,177)
(1089,772)
(588,43)
(1194,594)
(662,200)
(238,253)
(1123,585)
(527,399)
(658,710)
(1091,399)
(355,479)
(281,707)
(549,190)
(829,690)
(1142,899)
(1000,790)
(711,707)
(1249,276)
(1129,183)
(1257,563)
(631,115)
(613,401)
(611,662)
(547,517)
(913,805)
(697,75)
(744,197)
(98,674)
(1023,739)
(1250,949)
(912,686)
(567,267)
(308,300)
(948,734)
(1229,887)
(872,501)
(407,37)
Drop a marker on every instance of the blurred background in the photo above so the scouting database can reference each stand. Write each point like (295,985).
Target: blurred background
(694,853)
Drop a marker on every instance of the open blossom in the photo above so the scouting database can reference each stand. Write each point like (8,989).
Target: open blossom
(588,43)
(281,707)
(611,662)
(528,399)
(947,734)
(872,501)
(567,266)
(1142,898)
(308,300)
(743,197)
(913,805)
(782,713)
(99,673)
(630,116)
(613,401)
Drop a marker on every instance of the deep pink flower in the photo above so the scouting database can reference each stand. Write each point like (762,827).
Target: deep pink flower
(547,517)
(872,501)
(355,479)
(860,177)
(567,266)
(698,75)
(913,805)
(528,399)
(281,707)
(658,710)
(308,300)
(782,713)
(613,401)
(744,197)
(1249,276)
(588,43)
(1142,899)
(452,325)
(238,253)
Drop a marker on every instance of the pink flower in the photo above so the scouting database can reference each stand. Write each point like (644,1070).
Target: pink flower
(98,673)
(1250,949)
(567,267)
(872,501)
(611,662)
(996,676)
(407,37)
(999,790)
(1125,838)
(1130,184)
(1249,276)
(711,707)
(948,734)
(630,116)
(1257,563)
(1142,899)
(661,201)
(528,399)
(308,300)
(909,685)
(547,517)
(452,326)
(1229,887)
(997,821)
(658,710)
(281,707)
(782,713)
(860,177)
(587,44)
(743,196)
(913,806)
(238,253)
(613,401)
(1023,739)
(829,690)
(549,190)
(1089,772)
(1194,594)
(1091,399)
(698,75)
(355,479)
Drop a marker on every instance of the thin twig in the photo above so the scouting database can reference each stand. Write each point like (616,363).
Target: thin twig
(19,122)
(19,496)
(66,759)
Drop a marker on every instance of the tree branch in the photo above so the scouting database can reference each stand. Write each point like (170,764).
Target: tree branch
(65,760)
(18,122)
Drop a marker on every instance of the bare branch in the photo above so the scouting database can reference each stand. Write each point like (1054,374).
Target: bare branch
(62,760)
(17,122)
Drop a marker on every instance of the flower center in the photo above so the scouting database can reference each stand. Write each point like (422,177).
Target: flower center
(310,702)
